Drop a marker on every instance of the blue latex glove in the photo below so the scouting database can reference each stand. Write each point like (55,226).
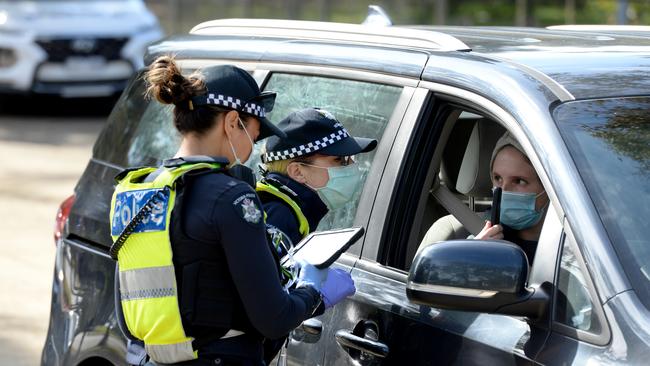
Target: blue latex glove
(310,275)
(337,287)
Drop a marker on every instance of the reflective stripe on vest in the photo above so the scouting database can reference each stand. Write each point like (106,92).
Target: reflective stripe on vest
(147,279)
(303,227)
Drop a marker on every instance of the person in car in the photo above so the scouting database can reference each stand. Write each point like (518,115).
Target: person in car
(308,173)
(220,293)
(523,201)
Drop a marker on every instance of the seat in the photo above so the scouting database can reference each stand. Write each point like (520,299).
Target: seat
(473,181)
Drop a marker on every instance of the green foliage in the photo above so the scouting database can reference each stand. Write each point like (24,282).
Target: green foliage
(178,16)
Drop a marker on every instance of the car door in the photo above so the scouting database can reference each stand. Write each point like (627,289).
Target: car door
(367,106)
(379,325)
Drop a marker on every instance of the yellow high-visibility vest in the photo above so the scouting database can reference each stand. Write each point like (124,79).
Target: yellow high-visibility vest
(303,224)
(148,287)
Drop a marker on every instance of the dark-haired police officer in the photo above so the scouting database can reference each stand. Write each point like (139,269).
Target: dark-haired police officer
(307,174)
(198,281)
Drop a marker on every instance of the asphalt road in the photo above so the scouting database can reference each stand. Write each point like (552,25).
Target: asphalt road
(44,147)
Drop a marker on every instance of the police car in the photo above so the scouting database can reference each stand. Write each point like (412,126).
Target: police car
(72,48)
(436,99)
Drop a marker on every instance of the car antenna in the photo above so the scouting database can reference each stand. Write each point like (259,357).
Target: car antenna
(377,17)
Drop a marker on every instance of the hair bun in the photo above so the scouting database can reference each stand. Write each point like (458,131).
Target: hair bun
(167,84)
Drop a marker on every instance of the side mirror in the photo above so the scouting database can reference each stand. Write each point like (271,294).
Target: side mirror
(475,275)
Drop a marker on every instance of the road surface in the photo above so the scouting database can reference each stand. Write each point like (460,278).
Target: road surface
(41,159)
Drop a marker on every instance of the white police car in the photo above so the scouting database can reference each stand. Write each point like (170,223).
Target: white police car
(75,48)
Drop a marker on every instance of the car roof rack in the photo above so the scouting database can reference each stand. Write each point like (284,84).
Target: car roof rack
(353,33)
(600,27)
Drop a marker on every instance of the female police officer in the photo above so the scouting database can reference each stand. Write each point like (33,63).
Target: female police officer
(308,173)
(198,281)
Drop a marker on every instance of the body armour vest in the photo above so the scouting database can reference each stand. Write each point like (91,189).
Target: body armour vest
(140,219)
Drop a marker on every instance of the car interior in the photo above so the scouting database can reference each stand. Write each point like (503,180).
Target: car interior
(459,184)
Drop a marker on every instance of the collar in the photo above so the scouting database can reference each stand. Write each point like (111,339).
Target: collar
(310,204)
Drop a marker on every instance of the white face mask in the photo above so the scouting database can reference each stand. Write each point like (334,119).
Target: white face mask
(232,148)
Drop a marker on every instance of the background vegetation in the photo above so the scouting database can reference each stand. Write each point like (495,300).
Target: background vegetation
(178,16)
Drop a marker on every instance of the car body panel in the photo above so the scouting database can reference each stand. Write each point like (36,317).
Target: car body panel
(405,63)
(82,321)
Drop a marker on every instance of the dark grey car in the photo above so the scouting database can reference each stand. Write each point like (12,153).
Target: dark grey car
(436,99)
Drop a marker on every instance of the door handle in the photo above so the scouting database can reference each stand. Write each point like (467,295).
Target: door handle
(347,340)
(308,332)
(312,326)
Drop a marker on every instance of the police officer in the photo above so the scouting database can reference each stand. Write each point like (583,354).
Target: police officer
(198,281)
(308,173)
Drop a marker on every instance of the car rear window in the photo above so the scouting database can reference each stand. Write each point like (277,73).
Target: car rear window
(609,139)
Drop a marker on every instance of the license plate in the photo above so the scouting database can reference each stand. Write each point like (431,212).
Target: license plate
(85,63)
(77,91)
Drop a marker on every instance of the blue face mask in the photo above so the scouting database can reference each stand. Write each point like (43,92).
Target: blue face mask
(518,210)
(341,186)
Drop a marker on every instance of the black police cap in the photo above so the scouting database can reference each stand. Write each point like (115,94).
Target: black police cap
(233,88)
(314,130)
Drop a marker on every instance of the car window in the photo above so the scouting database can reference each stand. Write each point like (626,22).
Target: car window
(364,109)
(574,306)
(609,140)
(155,137)
(113,143)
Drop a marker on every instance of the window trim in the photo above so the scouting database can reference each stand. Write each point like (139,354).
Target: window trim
(601,338)
(389,176)
(316,70)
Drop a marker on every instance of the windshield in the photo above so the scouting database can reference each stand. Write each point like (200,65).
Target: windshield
(609,139)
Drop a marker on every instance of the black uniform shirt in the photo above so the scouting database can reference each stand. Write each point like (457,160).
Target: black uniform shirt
(282,216)
(222,211)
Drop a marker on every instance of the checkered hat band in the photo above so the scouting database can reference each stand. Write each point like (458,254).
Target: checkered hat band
(308,148)
(230,102)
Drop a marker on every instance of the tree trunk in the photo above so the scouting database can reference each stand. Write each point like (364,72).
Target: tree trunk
(440,12)
(570,11)
(521,13)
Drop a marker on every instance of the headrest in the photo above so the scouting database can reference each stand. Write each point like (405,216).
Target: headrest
(474,174)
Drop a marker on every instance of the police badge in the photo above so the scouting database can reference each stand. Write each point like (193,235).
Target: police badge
(251,213)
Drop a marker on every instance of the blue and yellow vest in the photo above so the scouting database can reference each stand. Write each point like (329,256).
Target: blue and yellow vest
(148,286)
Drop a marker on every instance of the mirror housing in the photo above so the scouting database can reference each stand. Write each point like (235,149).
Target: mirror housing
(475,275)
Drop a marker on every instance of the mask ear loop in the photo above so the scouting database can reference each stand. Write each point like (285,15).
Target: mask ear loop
(542,211)
(232,148)
(315,166)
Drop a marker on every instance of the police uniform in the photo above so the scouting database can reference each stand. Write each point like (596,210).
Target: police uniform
(293,207)
(198,282)
(290,206)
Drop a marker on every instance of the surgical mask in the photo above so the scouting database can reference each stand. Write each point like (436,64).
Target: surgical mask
(237,169)
(341,186)
(518,210)
(232,148)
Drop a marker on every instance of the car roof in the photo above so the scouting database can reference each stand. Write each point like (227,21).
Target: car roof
(595,61)
(574,62)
